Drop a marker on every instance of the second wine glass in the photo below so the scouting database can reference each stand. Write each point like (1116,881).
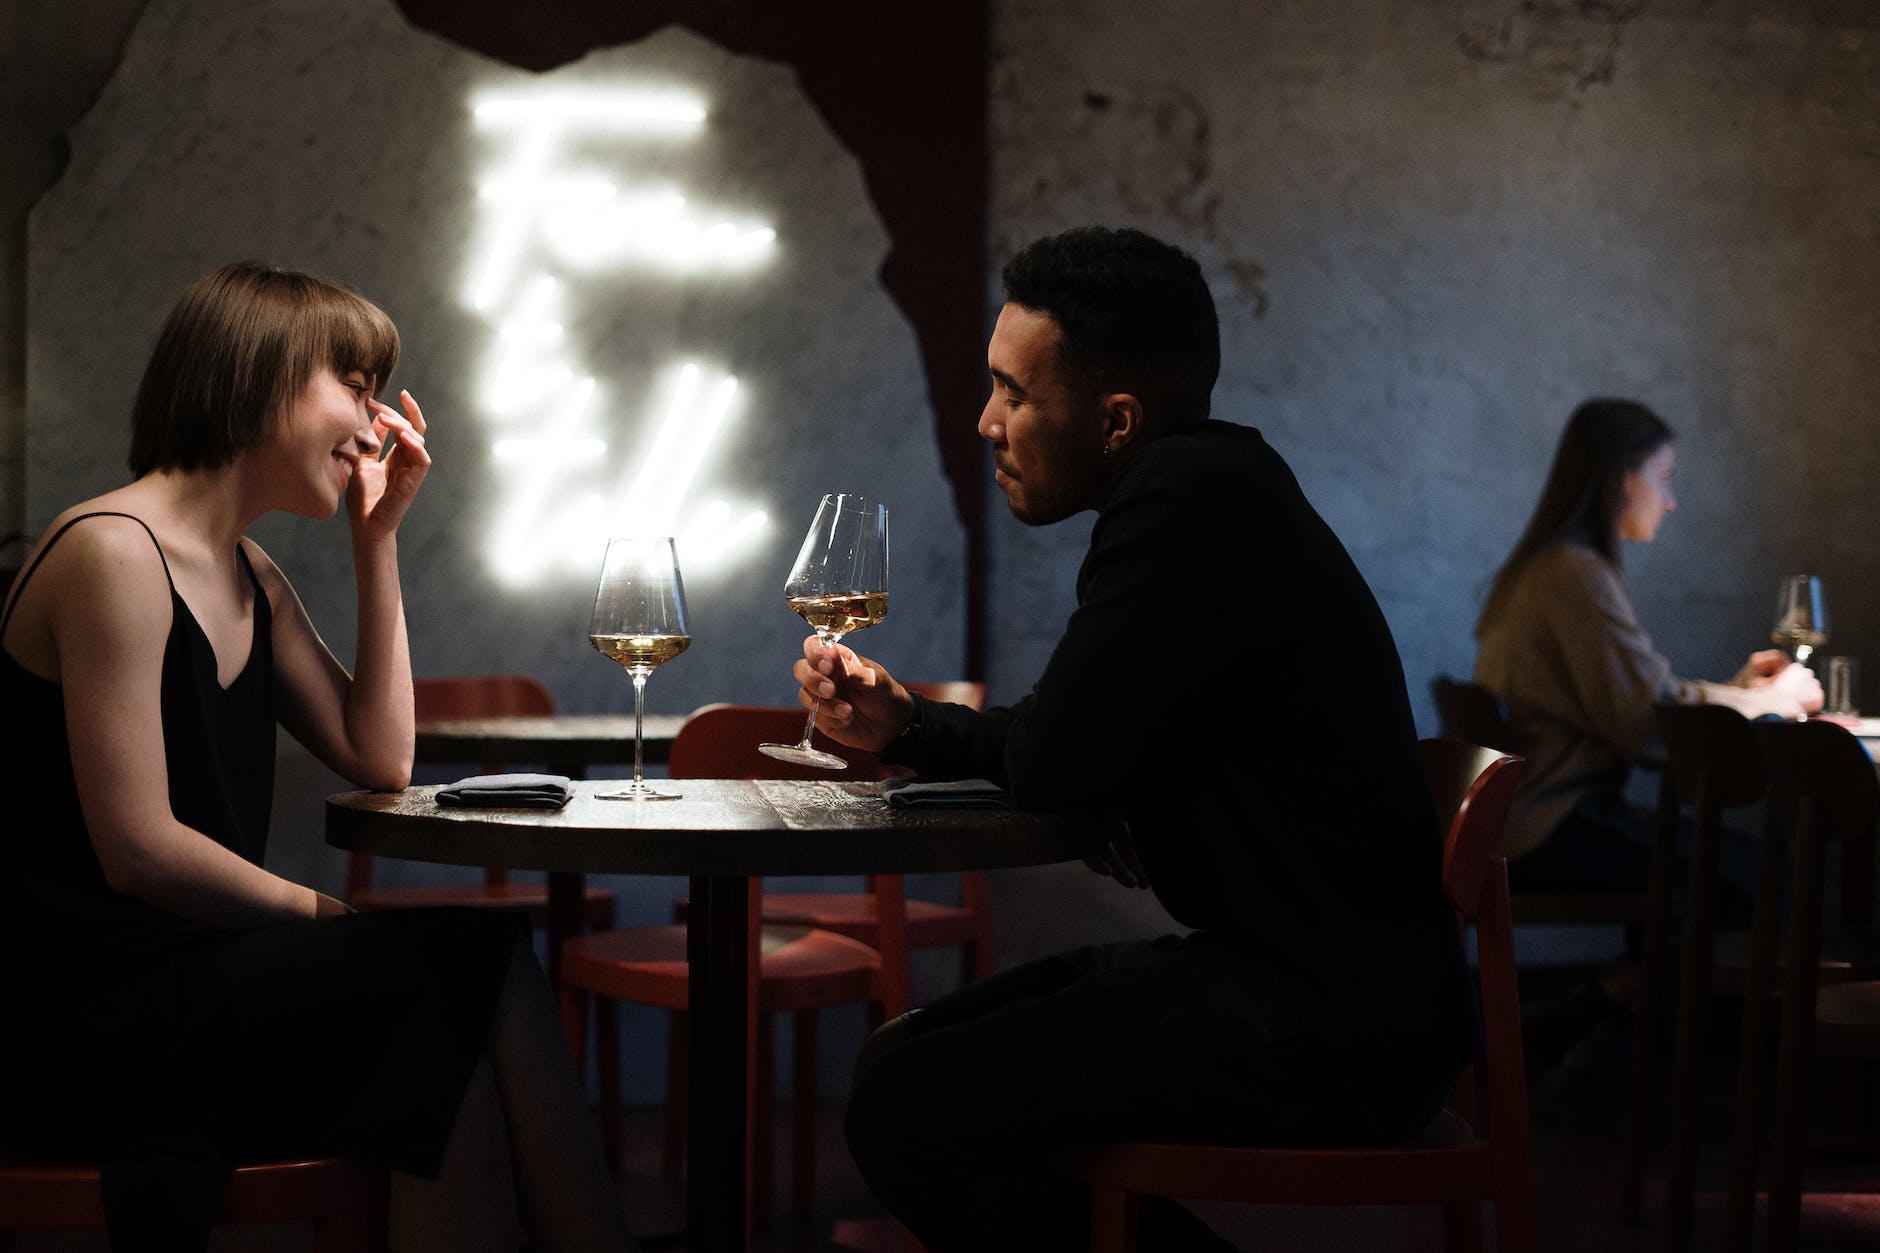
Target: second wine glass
(640,621)
(1801,616)
(839,584)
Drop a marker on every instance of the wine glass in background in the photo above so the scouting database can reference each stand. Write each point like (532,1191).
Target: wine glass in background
(1801,616)
(839,584)
(640,621)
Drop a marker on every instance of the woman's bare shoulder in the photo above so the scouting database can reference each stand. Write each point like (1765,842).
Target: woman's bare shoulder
(92,574)
(101,530)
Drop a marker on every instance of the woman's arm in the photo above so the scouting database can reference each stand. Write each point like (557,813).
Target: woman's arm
(361,723)
(110,616)
(1768,683)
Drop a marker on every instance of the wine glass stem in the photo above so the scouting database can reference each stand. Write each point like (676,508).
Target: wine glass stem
(639,723)
(809,728)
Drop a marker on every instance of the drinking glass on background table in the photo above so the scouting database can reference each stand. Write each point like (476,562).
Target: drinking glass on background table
(640,621)
(1843,688)
(839,584)
(1801,616)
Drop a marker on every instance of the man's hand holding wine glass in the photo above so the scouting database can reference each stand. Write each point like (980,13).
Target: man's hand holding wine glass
(857,702)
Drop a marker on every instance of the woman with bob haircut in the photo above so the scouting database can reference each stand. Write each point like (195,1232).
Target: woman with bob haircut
(177,1009)
(1559,644)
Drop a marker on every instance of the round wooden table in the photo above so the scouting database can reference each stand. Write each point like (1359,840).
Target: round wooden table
(721,834)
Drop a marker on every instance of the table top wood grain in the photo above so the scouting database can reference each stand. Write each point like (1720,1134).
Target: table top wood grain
(717,827)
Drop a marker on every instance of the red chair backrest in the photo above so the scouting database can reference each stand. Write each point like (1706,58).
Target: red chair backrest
(720,742)
(968,692)
(480,696)
(1472,787)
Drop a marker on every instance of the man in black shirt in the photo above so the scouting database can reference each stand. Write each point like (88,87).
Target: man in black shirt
(1228,685)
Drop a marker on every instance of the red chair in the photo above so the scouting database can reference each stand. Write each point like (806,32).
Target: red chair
(1460,1160)
(1470,713)
(930,924)
(1822,790)
(475,696)
(800,969)
(344,1200)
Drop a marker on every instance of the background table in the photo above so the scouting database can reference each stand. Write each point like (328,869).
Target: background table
(567,743)
(721,834)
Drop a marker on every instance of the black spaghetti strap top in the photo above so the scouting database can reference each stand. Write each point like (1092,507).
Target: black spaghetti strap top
(58,916)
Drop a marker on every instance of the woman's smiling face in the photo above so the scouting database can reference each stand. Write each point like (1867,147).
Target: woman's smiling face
(316,442)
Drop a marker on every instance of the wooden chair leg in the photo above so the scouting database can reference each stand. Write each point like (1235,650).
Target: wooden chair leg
(574,1012)
(1113,1220)
(1654,969)
(1753,1046)
(1687,1063)
(607,1045)
(1462,1227)
(1788,1142)
(672,1154)
(764,1134)
(803,1122)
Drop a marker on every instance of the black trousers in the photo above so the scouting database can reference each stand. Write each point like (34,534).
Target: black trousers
(1182,1038)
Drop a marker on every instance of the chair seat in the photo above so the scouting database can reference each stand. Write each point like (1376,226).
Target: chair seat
(798,967)
(1846,956)
(43,1195)
(597,903)
(929,923)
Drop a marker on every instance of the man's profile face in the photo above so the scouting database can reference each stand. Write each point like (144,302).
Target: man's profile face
(1047,442)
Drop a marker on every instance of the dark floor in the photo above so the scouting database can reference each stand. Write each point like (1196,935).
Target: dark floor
(1576,1146)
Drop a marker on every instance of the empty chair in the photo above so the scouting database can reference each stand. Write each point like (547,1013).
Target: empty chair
(475,696)
(1461,1160)
(1712,764)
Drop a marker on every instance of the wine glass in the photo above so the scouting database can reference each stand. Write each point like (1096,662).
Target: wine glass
(640,621)
(839,584)
(1801,616)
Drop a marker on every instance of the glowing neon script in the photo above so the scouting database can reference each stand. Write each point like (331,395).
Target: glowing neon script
(547,204)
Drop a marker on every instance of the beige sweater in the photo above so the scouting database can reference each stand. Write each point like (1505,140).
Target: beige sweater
(1579,677)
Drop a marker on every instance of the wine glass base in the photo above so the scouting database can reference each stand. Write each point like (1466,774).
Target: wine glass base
(637,792)
(803,756)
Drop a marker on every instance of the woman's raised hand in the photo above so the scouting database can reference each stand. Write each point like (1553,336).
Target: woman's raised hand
(383,487)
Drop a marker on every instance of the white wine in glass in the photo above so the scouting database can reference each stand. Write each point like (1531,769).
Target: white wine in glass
(1801,616)
(640,622)
(839,584)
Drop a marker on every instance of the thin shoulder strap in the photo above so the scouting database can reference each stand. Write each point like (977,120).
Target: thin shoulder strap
(19,584)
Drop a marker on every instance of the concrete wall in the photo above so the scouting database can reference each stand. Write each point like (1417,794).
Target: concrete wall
(1431,228)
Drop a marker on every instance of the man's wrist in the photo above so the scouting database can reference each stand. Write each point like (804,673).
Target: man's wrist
(913,722)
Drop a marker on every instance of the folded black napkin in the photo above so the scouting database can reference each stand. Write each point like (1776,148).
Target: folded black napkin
(508,791)
(957,793)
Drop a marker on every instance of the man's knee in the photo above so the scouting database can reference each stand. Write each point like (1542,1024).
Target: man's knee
(885,1038)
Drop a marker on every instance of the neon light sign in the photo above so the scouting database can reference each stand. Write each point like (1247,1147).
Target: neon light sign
(541,208)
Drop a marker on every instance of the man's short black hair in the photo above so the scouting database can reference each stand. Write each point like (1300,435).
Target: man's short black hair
(1134,313)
